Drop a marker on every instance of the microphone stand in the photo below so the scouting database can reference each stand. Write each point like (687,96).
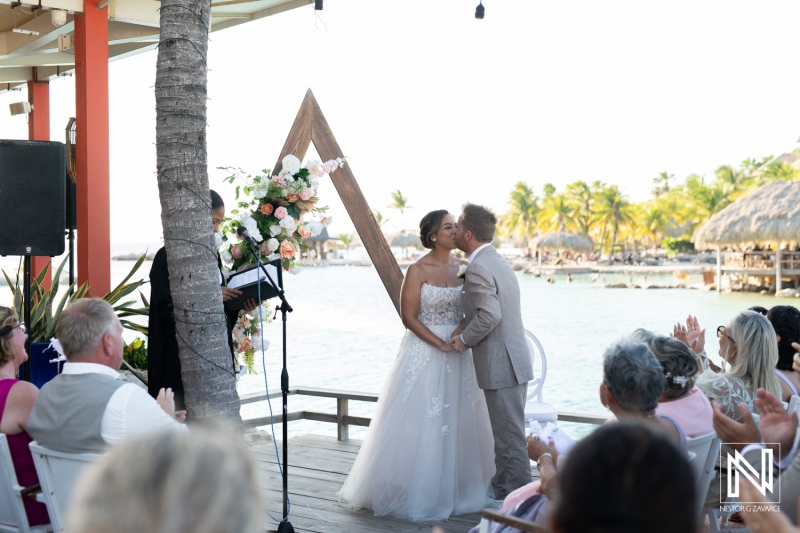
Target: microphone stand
(285,526)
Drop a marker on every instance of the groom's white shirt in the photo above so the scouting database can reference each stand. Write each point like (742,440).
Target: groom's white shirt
(478,249)
(471,257)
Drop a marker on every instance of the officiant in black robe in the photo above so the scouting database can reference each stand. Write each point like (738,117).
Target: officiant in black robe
(163,363)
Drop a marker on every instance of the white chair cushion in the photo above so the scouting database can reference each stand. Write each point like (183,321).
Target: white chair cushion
(541,412)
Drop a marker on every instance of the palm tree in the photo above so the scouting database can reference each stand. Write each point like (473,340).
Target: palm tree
(614,210)
(653,219)
(581,200)
(705,199)
(399,202)
(182,173)
(379,218)
(521,217)
(557,211)
(347,241)
(661,184)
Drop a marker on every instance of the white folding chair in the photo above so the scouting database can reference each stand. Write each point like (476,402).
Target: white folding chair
(12,509)
(706,449)
(794,401)
(58,472)
(535,408)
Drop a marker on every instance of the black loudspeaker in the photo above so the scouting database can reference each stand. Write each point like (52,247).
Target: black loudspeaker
(32,197)
(72,221)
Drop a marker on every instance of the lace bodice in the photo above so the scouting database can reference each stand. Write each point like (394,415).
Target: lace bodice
(440,306)
(728,391)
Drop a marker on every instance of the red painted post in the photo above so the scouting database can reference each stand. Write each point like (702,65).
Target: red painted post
(39,130)
(91,140)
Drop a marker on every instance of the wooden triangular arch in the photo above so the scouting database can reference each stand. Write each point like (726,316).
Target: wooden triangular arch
(310,126)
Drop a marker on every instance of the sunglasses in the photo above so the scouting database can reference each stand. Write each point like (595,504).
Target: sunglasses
(721,332)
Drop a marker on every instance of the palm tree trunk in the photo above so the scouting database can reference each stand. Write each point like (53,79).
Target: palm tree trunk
(200,322)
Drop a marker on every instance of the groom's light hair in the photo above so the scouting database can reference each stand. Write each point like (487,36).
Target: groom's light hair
(480,221)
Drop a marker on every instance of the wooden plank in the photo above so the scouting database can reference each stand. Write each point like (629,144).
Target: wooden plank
(278,419)
(336,393)
(299,138)
(357,206)
(255,397)
(582,418)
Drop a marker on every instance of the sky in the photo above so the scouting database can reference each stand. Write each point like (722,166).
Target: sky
(424,98)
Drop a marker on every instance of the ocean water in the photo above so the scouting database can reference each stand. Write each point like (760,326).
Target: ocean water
(344,333)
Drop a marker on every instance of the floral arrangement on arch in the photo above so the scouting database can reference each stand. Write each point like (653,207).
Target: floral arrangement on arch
(248,338)
(279,214)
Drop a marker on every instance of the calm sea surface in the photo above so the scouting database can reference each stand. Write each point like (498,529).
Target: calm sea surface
(344,333)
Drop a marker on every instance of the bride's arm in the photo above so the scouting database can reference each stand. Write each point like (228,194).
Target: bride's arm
(409,309)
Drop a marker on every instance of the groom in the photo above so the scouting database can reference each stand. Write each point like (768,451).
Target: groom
(495,333)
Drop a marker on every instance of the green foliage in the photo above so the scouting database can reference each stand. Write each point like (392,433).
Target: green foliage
(44,316)
(677,246)
(135,354)
(399,201)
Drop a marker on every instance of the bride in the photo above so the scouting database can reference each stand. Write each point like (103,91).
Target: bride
(429,451)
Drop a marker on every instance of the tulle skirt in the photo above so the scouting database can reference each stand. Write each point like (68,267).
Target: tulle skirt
(429,451)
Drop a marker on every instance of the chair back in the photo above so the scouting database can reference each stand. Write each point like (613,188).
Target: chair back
(12,510)
(539,362)
(706,449)
(58,472)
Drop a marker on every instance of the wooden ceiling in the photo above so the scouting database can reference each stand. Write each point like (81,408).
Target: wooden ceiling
(29,36)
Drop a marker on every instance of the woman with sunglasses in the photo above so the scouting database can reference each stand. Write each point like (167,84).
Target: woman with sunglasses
(749,351)
(16,402)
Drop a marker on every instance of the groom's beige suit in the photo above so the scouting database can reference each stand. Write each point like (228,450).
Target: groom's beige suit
(494,330)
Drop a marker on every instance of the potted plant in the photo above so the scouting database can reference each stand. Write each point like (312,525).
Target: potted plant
(45,312)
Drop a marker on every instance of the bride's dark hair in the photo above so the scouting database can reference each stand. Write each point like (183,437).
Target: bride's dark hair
(429,225)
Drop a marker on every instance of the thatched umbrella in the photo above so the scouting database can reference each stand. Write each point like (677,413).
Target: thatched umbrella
(405,240)
(770,213)
(562,240)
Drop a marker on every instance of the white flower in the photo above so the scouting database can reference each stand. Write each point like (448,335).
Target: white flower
(273,256)
(315,227)
(273,244)
(311,254)
(295,269)
(291,164)
(225,255)
(288,223)
(260,190)
(275,229)
(218,242)
(462,271)
(226,273)
(326,221)
(251,225)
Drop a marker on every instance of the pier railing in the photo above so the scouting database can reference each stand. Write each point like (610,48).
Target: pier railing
(790,261)
(342,418)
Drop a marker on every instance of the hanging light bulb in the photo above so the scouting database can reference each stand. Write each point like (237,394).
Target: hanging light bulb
(479,10)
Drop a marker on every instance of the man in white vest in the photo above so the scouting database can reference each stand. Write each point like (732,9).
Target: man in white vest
(87,407)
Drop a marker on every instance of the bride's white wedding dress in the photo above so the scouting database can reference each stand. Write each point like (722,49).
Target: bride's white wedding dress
(429,451)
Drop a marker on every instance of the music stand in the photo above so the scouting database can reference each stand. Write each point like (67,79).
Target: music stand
(271,288)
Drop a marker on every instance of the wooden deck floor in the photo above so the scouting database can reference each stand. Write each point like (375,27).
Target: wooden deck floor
(317,468)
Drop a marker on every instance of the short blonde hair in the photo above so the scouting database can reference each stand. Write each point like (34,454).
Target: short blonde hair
(8,319)
(82,325)
(173,482)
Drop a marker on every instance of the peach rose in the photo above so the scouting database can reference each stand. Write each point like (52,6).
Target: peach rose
(292,197)
(305,232)
(267,209)
(281,213)
(287,250)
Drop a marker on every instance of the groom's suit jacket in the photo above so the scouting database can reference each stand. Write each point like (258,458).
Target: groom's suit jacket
(491,302)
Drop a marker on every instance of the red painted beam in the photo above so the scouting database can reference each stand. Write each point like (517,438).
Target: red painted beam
(39,130)
(91,139)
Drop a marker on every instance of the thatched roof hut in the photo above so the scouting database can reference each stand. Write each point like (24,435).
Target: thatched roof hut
(562,240)
(405,240)
(770,213)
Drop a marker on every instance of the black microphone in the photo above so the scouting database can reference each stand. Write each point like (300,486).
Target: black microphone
(241,231)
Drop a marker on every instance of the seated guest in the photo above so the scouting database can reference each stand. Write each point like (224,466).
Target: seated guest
(87,407)
(681,400)
(632,383)
(170,482)
(16,402)
(786,321)
(748,345)
(605,486)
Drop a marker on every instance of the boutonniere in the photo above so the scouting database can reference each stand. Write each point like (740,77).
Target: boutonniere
(462,272)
